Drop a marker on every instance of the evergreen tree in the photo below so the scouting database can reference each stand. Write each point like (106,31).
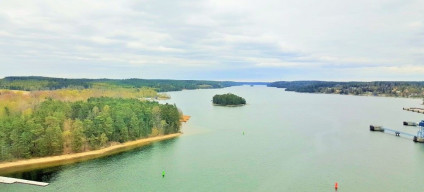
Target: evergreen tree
(78,137)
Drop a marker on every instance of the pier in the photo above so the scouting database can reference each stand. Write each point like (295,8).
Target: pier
(387,130)
(416,138)
(399,133)
(9,180)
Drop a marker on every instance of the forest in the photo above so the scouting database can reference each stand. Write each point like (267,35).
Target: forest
(376,88)
(228,99)
(53,122)
(57,127)
(32,83)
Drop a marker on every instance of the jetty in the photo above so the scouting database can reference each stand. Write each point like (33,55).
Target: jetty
(9,180)
(414,109)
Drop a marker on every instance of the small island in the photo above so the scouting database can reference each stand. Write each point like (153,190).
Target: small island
(228,99)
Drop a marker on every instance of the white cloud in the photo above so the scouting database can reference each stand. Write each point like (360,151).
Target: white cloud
(407,70)
(102,40)
(215,34)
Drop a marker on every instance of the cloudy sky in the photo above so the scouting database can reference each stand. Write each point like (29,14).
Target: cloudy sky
(262,40)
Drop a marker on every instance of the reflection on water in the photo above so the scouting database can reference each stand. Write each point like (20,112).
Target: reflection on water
(43,175)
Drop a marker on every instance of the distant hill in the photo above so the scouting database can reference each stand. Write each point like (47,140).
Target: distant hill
(29,83)
(375,88)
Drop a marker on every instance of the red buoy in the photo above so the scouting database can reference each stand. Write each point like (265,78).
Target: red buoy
(336,186)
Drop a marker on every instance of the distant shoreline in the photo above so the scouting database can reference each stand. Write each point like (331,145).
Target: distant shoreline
(361,95)
(52,161)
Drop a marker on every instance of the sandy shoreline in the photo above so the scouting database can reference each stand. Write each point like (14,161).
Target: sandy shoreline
(185,118)
(44,162)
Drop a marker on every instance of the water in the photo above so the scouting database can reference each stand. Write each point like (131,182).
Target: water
(292,142)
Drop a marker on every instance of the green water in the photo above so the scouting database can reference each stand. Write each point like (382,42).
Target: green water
(291,142)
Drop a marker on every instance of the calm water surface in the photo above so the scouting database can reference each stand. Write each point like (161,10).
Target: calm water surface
(292,142)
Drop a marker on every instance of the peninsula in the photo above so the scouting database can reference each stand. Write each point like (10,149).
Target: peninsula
(70,125)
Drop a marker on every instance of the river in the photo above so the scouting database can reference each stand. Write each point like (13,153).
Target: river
(291,142)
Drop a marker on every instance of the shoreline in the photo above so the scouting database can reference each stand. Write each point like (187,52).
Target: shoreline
(185,118)
(228,105)
(361,95)
(52,161)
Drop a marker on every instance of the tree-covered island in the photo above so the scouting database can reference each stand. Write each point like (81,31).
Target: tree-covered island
(228,99)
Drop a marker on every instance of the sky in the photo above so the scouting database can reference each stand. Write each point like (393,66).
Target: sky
(241,40)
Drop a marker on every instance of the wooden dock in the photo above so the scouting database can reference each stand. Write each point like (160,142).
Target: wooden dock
(8,180)
(414,109)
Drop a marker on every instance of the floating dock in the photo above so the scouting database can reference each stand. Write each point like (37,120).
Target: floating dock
(9,180)
(409,123)
(376,128)
(414,109)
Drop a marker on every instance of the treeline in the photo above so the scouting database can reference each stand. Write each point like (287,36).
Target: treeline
(26,101)
(228,99)
(377,88)
(32,83)
(58,127)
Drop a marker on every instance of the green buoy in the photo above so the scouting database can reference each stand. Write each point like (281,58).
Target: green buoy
(163,173)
